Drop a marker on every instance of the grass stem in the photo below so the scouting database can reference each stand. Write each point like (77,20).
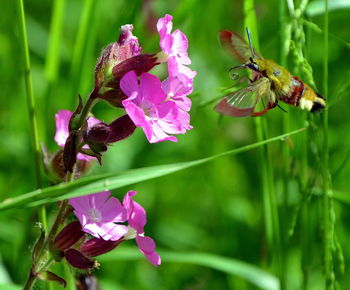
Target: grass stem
(327,202)
(272,221)
(31,105)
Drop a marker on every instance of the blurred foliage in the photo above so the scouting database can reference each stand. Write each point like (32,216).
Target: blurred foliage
(215,208)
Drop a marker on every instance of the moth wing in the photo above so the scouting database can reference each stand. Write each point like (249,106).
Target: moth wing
(237,46)
(243,101)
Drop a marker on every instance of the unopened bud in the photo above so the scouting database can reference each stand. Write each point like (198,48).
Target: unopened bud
(139,63)
(127,46)
(69,235)
(70,151)
(98,133)
(52,277)
(95,247)
(78,260)
(121,128)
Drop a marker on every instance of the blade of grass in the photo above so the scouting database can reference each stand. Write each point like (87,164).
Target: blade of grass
(272,222)
(87,185)
(284,44)
(256,276)
(31,103)
(328,211)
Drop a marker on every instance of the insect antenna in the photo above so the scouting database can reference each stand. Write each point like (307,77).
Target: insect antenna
(250,42)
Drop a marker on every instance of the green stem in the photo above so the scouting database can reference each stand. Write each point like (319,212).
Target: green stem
(327,203)
(269,195)
(31,105)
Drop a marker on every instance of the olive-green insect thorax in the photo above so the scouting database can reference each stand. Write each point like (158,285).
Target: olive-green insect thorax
(280,77)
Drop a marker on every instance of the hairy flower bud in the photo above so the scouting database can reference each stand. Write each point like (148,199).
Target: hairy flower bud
(121,128)
(127,46)
(95,247)
(78,260)
(68,236)
(101,133)
(98,133)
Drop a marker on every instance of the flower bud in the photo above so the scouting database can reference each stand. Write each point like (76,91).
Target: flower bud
(127,46)
(78,260)
(50,276)
(68,236)
(98,133)
(70,151)
(121,128)
(95,247)
(101,133)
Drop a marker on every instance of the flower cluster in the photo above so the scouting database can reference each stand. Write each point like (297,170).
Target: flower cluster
(110,223)
(159,106)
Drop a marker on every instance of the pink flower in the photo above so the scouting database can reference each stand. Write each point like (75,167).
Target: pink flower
(149,108)
(185,74)
(136,216)
(62,131)
(99,214)
(177,91)
(173,44)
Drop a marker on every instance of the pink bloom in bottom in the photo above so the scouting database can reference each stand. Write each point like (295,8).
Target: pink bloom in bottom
(62,131)
(98,215)
(136,216)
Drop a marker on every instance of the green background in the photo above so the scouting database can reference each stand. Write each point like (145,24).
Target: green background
(216,208)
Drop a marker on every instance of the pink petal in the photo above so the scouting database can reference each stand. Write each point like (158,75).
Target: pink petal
(173,87)
(128,202)
(147,247)
(159,135)
(165,25)
(97,200)
(107,231)
(183,103)
(167,110)
(113,211)
(180,46)
(135,113)
(85,157)
(136,213)
(151,88)
(184,73)
(129,83)
(62,121)
(81,204)
(92,121)
(166,44)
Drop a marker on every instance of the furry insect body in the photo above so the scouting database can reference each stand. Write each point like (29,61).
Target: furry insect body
(270,80)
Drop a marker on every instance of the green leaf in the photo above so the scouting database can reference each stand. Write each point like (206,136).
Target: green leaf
(87,185)
(230,266)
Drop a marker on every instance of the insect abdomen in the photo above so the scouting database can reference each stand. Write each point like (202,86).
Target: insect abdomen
(304,97)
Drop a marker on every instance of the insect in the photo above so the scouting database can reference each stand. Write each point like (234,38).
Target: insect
(269,81)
